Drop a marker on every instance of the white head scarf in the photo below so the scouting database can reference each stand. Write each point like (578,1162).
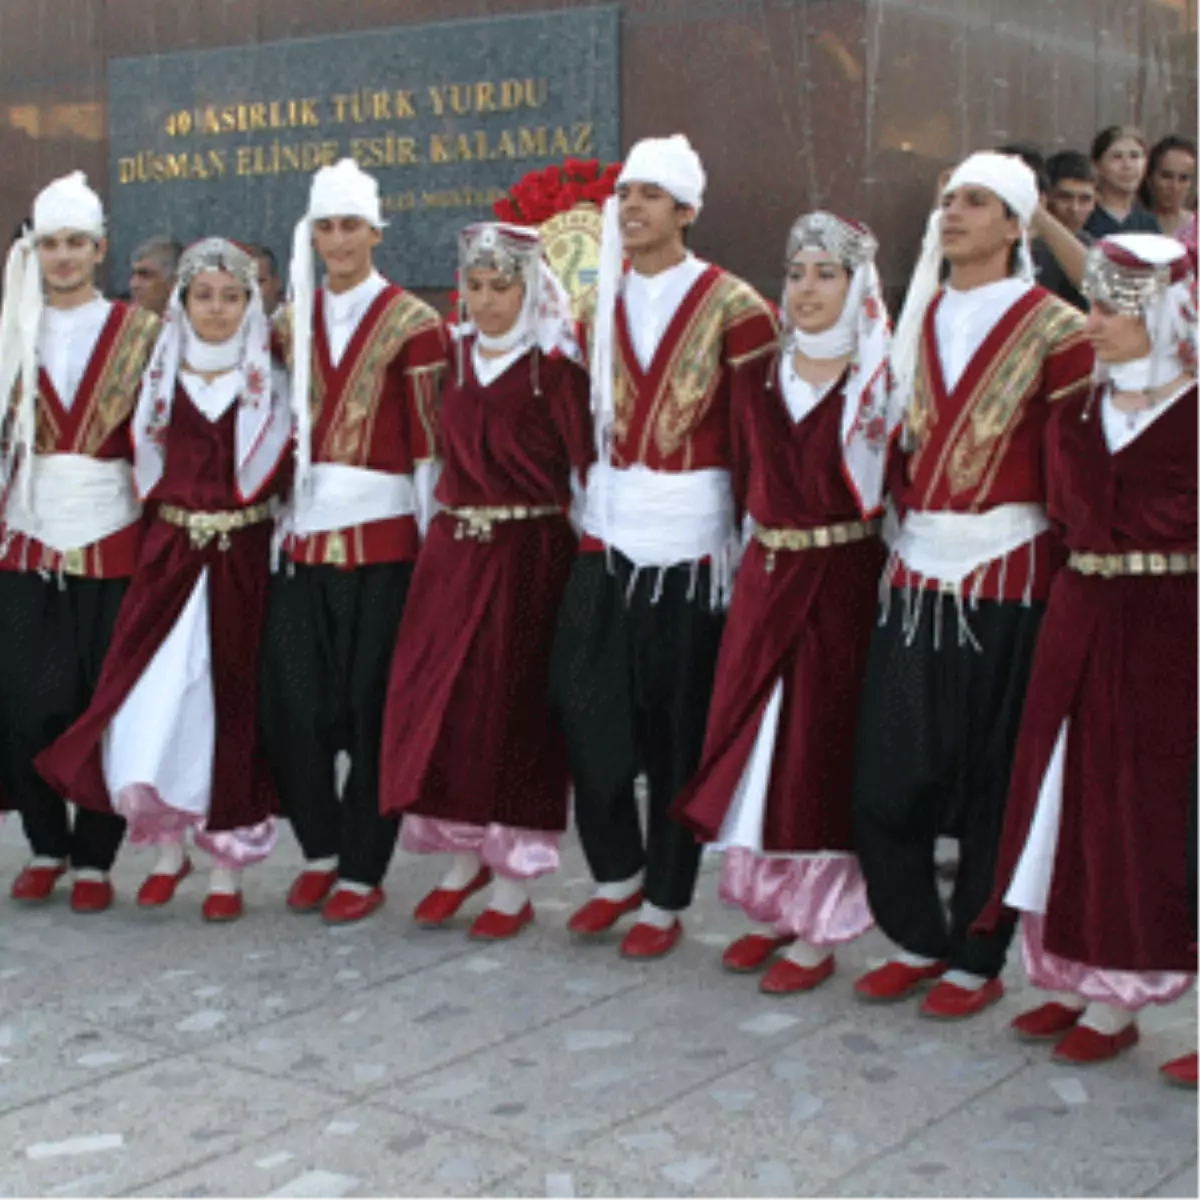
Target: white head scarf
(870,411)
(545,321)
(1007,177)
(343,190)
(264,421)
(66,205)
(1149,276)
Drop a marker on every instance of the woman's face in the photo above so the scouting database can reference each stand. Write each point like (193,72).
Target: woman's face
(1116,337)
(1122,166)
(493,300)
(1171,183)
(817,284)
(216,303)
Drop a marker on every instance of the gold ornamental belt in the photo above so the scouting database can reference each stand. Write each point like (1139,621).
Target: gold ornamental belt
(202,527)
(775,540)
(477,523)
(1136,562)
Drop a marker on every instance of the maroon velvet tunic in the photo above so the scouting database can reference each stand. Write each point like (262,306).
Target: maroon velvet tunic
(1117,658)
(468,734)
(808,622)
(198,474)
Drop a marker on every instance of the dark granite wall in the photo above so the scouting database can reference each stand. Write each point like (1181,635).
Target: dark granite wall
(851,104)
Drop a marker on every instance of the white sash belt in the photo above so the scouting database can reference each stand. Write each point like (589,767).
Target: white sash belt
(335,496)
(949,546)
(76,500)
(661,519)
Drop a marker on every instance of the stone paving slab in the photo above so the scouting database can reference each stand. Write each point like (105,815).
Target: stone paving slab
(151,1054)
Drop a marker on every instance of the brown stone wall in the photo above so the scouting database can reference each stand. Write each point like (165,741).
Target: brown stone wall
(850,104)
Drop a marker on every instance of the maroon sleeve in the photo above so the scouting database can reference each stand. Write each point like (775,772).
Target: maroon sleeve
(572,413)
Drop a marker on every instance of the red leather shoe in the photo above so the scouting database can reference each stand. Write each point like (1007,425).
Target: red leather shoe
(345,906)
(310,889)
(493,926)
(442,903)
(751,951)
(648,941)
(35,885)
(599,916)
(895,981)
(160,889)
(1045,1022)
(1084,1046)
(1180,1072)
(784,976)
(221,906)
(949,1002)
(91,895)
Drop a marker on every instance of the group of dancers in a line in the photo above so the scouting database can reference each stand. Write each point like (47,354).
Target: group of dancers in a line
(833,591)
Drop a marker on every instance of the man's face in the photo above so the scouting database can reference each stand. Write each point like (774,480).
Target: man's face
(269,285)
(150,285)
(1072,201)
(650,217)
(69,259)
(345,245)
(976,226)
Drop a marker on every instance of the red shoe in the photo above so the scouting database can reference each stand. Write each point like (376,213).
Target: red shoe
(1045,1022)
(949,1002)
(308,893)
(598,916)
(751,951)
(91,895)
(221,906)
(1084,1046)
(493,926)
(35,885)
(345,906)
(648,941)
(1180,1072)
(785,976)
(442,903)
(895,981)
(160,889)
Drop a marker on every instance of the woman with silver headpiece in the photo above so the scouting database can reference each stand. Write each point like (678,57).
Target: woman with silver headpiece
(470,754)
(773,788)
(169,740)
(1093,853)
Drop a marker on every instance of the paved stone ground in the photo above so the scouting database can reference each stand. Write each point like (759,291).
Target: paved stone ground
(150,1054)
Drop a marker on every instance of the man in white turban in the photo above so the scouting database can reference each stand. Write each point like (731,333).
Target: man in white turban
(367,359)
(642,618)
(979,363)
(70,367)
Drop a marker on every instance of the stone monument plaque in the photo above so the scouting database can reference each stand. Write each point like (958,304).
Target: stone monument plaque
(447,116)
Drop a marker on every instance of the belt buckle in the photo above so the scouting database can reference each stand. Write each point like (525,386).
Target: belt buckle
(72,562)
(335,549)
(822,537)
(1157,564)
(1137,563)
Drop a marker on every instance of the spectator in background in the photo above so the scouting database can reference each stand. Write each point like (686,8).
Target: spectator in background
(1169,186)
(1070,199)
(154,265)
(1119,156)
(270,282)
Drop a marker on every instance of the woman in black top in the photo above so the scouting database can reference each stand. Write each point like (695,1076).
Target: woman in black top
(1119,154)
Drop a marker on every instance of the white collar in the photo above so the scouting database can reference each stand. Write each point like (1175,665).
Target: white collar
(657,285)
(488,370)
(81,314)
(343,306)
(213,397)
(987,293)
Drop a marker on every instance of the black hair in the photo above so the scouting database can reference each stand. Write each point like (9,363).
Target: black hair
(1103,141)
(23,227)
(1070,164)
(1173,141)
(265,251)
